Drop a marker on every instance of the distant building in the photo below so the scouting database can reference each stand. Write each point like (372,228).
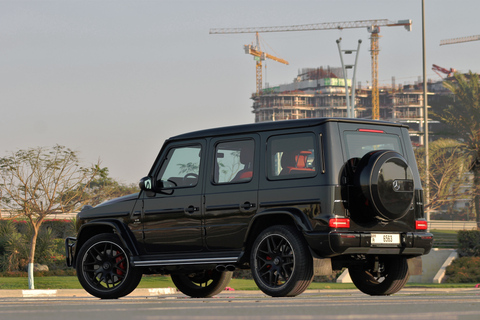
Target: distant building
(320,92)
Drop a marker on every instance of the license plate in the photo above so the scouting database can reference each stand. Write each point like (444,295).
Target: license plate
(385,239)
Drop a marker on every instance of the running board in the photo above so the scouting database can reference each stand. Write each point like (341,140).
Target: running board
(178,262)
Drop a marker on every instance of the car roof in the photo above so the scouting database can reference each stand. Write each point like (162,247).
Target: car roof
(276,125)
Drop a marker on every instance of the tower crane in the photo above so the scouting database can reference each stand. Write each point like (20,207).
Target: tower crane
(260,56)
(459,40)
(439,69)
(373,26)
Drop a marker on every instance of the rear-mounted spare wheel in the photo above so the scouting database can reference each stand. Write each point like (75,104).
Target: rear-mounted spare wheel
(384,185)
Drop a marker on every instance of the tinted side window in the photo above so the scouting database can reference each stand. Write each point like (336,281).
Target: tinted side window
(234,161)
(181,167)
(291,156)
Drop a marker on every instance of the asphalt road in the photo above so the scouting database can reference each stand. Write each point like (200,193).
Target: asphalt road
(409,304)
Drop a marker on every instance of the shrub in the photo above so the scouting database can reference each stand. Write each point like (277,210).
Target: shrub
(469,243)
(15,244)
(464,270)
(61,228)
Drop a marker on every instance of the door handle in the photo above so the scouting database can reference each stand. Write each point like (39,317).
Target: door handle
(191,209)
(247,205)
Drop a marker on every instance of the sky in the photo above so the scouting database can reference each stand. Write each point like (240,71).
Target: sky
(113,80)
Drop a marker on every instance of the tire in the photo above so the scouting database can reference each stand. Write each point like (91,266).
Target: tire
(103,268)
(281,263)
(202,284)
(390,278)
(384,187)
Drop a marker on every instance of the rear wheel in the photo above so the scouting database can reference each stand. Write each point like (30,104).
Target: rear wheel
(281,263)
(103,268)
(202,284)
(380,276)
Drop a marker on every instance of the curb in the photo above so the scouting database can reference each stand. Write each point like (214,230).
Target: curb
(35,293)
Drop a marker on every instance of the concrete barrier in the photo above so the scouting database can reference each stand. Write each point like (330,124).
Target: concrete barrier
(452,225)
(443,269)
(431,264)
(434,265)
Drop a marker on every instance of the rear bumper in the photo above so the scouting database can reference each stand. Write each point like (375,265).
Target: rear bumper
(335,243)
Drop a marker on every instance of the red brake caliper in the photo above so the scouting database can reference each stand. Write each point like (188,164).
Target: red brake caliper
(120,266)
(269,258)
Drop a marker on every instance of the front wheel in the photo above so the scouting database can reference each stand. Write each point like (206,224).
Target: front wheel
(202,284)
(281,263)
(103,268)
(383,275)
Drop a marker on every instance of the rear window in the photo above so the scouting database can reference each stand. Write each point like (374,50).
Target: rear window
(358,143)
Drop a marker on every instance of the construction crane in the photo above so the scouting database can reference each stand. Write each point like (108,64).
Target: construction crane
(459,40)
(260,56)
(439,69)
(373,26)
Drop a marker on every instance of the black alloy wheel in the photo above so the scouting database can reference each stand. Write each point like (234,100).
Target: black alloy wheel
(281,262)
(103,268)
(384,275)
(202,284)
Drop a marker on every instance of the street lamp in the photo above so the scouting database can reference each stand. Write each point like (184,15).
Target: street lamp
(425,115)
(349,100)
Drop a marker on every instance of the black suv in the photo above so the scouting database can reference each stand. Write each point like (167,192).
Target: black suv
(288,200)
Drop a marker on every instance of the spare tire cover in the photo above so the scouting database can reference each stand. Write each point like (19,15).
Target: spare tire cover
(386,181)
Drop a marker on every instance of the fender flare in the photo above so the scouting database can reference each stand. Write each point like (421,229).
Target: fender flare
(120,229)
(301,221)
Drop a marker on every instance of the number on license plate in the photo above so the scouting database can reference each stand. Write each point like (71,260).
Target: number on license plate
(385,238)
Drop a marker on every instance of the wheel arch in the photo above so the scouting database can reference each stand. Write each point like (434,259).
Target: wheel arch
(268,218)
(95,227)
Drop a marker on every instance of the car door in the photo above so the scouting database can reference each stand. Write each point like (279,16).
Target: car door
(172,218)
(291,182)
(231,191)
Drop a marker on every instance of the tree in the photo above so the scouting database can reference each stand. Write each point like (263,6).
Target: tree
(449,164)
(103,188)
(463,117)
(37,182)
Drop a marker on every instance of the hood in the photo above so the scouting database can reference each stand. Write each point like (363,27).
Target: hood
(117,207)
(129,197)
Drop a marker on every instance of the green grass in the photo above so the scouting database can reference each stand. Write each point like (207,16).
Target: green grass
(71,282)
(67,282)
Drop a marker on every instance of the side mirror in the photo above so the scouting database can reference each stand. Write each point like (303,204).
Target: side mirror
(145,184)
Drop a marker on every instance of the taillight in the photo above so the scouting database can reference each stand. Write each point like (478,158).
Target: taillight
(339,223)
(421,225)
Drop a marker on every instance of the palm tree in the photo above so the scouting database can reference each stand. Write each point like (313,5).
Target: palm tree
(463,116)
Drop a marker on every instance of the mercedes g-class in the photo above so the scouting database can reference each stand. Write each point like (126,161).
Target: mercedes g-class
(287,199)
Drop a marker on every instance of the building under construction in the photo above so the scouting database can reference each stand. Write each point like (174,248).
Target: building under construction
(320,92)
